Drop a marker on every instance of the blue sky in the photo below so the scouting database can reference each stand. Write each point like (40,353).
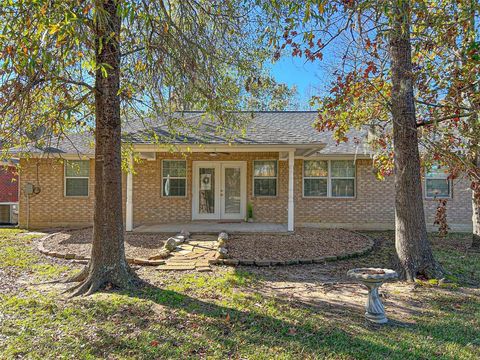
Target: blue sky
(309,78)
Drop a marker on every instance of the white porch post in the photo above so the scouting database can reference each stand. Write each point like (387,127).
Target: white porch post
(291,204)
(129,203)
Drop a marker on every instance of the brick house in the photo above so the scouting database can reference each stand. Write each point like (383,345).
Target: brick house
(8,194)
(287,172)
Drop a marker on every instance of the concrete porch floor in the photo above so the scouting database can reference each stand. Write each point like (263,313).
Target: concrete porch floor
(213,227)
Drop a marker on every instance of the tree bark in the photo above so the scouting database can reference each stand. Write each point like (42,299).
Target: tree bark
(476,207)
(413,249)
(108,265)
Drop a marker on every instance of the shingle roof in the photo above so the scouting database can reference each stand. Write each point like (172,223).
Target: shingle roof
(258,128)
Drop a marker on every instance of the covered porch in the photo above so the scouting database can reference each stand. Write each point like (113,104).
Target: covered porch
(213,227)
(208,188)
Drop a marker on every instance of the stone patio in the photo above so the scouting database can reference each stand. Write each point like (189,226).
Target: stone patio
(194,254)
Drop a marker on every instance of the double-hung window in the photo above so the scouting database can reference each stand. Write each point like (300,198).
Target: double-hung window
(77,174)
(437,183)
(174,178)
(329,178)
(265,174)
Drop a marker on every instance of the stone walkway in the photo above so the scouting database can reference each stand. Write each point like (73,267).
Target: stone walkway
(194,254)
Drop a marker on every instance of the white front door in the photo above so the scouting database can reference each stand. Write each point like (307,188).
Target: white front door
(219,190)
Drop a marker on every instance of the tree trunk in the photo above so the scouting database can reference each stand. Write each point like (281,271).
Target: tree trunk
(108,265)
(413,249)
(476,208)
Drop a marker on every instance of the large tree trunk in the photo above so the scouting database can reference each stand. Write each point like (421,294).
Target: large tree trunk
(413,249)
(108,265)
(476,207)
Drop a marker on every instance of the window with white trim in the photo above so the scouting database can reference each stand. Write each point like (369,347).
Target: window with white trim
(329,178)
(174,178)
(265,177)
(77,175)
(437,183)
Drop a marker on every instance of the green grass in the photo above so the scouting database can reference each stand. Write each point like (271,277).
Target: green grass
(16,255)
(226,314)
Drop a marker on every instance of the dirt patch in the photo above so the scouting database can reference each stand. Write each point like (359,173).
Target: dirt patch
(304,243)
(80,242)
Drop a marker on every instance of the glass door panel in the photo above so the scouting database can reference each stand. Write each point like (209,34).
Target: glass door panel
(232,190)
(206,193)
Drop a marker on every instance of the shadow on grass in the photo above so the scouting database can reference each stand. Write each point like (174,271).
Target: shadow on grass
(300,329)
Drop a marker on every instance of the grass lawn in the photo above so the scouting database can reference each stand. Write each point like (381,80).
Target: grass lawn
(296,312)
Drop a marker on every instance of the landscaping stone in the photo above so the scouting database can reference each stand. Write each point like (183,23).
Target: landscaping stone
(163,254)
(263,262)
(305,261)
(330,258)
(222,252)
(203,269)
(185,233)
(231,262)
(223,236)
(176,267)
(170,244)
(246,262)
(319,260)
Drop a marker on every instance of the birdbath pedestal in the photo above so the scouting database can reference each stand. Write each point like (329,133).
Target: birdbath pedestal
(373,278)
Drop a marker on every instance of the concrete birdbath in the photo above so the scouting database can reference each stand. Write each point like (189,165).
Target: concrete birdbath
(373,278)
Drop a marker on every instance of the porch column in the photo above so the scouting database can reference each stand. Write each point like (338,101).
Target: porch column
(129,203)
(291,204)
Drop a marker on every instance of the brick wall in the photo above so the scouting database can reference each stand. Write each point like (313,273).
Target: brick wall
(8,184)
(50,208)
(150,207)
(373,206)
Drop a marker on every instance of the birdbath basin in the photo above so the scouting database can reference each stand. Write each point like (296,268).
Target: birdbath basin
(373,278)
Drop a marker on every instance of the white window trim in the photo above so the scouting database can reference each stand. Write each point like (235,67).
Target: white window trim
(450,188)
(173,178)
(264,177)
(329,178)
(65,177)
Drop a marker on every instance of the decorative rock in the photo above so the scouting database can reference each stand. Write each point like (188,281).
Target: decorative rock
(156,262)
(170,244)
(163,254)
(185,233)
(305,261)
(330,258)
(222,253)
(180,238)
(138,261)
(231,262)
(203,269)
(263,262)
(223,235)
(246,262)
(291,262)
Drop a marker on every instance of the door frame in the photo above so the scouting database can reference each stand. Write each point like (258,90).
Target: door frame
(219,167)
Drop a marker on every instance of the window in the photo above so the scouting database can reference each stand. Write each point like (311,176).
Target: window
(174,178)
(328,178)
(77,173)
(265,178)
(315,178)
(437,184)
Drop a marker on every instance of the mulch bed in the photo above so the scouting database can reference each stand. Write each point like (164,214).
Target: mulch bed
(80,242)
(304,243)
